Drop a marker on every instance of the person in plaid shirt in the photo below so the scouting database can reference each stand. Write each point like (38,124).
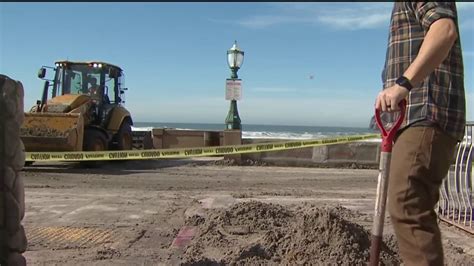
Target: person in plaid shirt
(424,66)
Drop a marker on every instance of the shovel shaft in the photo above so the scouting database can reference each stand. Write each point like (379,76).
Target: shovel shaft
(380,203)
(381,198)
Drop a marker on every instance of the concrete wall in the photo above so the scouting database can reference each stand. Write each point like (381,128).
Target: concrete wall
(362,153)
(232,137)
(167,138)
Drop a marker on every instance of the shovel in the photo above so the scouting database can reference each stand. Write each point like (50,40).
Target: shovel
(382,186)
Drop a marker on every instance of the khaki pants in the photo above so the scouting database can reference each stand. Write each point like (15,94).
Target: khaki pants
(421,158)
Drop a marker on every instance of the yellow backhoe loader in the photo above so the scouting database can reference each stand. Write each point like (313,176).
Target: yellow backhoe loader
(83,113)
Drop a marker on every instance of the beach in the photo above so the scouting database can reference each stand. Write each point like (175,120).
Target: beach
(207,211)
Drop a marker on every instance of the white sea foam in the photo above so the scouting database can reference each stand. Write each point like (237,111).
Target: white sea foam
(150,128)
(279,135)
(141,128)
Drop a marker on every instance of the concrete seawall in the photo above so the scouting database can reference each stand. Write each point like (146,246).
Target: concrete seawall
(360,154)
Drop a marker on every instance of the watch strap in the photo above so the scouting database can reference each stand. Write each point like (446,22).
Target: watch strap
(404,82)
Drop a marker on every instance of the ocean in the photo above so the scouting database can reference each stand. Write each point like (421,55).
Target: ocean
(265,131)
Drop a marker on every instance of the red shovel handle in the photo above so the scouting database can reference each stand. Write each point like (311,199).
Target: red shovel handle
(387,137)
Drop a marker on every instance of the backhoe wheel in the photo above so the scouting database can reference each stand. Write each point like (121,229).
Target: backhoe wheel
(124,136)
(94,140)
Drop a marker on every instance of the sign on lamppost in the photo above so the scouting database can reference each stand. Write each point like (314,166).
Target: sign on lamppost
(233,89)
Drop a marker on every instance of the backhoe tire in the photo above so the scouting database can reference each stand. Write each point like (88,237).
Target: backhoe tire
(94,140)
(124,136)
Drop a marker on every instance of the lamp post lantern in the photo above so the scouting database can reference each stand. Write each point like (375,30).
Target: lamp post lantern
(235,58)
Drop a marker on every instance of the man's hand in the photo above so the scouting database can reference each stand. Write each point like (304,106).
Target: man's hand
(388,99)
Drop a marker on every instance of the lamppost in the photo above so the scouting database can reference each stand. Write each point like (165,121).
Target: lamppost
(235,58)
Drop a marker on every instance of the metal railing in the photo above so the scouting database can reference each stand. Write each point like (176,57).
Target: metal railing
(455,205)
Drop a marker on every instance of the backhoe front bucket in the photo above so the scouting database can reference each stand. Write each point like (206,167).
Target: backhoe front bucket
(52,132)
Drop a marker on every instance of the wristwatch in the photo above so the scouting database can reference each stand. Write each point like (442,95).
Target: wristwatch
(404,82)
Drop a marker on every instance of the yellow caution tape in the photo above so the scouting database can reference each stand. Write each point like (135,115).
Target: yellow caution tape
(189,152)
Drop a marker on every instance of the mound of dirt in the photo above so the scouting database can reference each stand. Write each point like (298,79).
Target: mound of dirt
(264,233)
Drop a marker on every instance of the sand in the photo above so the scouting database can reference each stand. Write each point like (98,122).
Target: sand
(207,212)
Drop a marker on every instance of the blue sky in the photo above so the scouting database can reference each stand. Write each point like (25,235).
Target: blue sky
(174,56)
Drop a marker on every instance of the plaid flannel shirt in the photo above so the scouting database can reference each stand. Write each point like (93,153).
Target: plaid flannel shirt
(440,97)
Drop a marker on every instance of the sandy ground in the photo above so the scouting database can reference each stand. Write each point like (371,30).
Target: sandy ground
(202,212)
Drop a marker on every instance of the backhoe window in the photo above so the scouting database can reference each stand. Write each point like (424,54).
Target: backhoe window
(76,82)
(75,79)
(109,89)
